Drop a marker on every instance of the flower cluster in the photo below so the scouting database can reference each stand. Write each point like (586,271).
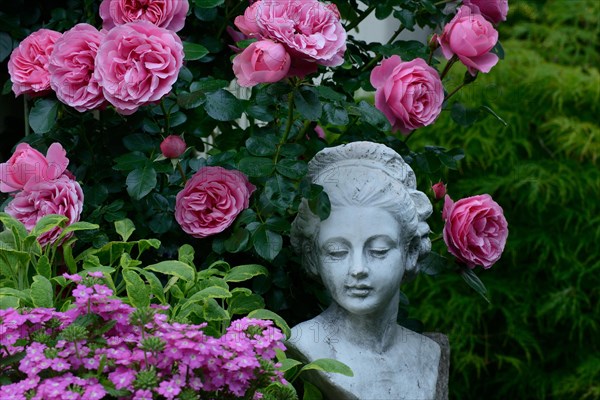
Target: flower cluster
(293,38)
(136,352)
(134,63)
(43,186)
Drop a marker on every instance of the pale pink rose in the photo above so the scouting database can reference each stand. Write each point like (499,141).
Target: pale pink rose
(37,199)
(28,63)
(410,94)
(310,30)
(137,64)
(439,190)
(211,200)
(173,146)
(261,62)
(27,164)
(475,230)
(72,67)
(470,37)
(494,10)
(168,14)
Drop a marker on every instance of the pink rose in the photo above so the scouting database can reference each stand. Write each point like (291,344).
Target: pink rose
(27,164)
(137,64)
(262,61)
(211,200)
(168,14)
(28,63)
(173,146)
(72,68)
(494,10)
(470,37)
(309,29)
(439,190)
(410,94)
(475,230)
(40,198)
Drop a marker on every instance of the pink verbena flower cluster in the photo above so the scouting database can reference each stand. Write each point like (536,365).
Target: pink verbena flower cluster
(134,63)
(42,186)
(139,353)
(293,38)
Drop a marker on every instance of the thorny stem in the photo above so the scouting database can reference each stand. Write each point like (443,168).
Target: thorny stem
(167,116)
(455,91)
(288,126)
(26,115)
(448,66)
(360,18)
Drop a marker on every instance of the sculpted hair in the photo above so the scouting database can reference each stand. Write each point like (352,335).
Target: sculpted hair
(364,174)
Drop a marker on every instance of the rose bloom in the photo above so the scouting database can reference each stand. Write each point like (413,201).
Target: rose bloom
(137,64)
(28,63)
(309,29)
(410,94)
(211,200)
(72,67)
(475,230)
(494,11)
(27,164)
(37,199)
(470,37)
(173,146)
(262,61)
(168,14)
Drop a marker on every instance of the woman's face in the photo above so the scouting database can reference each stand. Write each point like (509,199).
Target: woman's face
(361,258)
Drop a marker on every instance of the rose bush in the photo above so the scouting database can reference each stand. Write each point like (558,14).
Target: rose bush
(28,64)
(410,94)
(475,230)
(211,200)
(71,67)
(137,64)
(168,14)
(471,38)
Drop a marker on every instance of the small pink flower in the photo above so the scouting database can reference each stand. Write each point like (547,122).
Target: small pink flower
(494,11)
(475,230)
(37,199)
(320,132)
(173,146)
(439,190)
(471,38)
(168,14)
(28,63)
(72,67)
(261,62)
(410,94)
(137,64)
(211,200)
(27,164)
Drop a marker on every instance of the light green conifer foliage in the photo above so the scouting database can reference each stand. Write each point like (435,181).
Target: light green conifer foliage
(540,336)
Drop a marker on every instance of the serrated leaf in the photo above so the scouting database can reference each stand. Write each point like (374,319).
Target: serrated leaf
(141,181)
(223,106)
(244,272)
(307,103)
(256,166)
(267,244)
(42,116)
(173,268)
(294,169)
(262,145)
(130,161)
(194,51)
(42,292)
(43,267)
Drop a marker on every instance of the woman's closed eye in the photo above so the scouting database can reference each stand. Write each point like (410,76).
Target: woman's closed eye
(378,252)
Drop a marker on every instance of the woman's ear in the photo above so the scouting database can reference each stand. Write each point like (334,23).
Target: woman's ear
(412,253)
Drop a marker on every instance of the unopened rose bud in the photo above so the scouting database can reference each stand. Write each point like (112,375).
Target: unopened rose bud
(433,42)
(320,132)
(439,190)
(173,146)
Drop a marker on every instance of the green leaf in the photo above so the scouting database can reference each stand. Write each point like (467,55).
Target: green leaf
(329,365)
(130,161)
(6,45)
(140,142)
(335,115)
(311,392)
(194,51)
(208,3)
(256,166)
(372,116)
(21,294)
(433,264)
(288,364)
(498,50)
(244,272)
(191,100)
(42,116)
(42,292)
(237,241)
(464,116)
(267,244)
(223,106)
(307,103)
(320,205)
(208,84)
(328,93)
(137,291)
(294,169)
(406,18)
(212,292)
(270,315)
(186,254)
(156,287)
(141,181)
(47,223)
(262,145)
(124,228)
(174,268)
(214,312)
(280,192)
(80,226)
(243,303)
(43,267)
(493,113)
(14,225)
(473,280)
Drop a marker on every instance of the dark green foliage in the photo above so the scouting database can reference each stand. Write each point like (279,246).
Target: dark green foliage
(539,337)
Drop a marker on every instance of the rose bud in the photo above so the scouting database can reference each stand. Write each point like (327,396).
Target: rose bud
(439,190)
(173,146)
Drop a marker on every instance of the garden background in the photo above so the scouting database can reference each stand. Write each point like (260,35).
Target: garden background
(540,335)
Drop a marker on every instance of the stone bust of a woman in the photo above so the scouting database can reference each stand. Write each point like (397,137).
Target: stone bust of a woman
(371,242)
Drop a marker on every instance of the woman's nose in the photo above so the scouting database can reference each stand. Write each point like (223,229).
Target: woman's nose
(358,269)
